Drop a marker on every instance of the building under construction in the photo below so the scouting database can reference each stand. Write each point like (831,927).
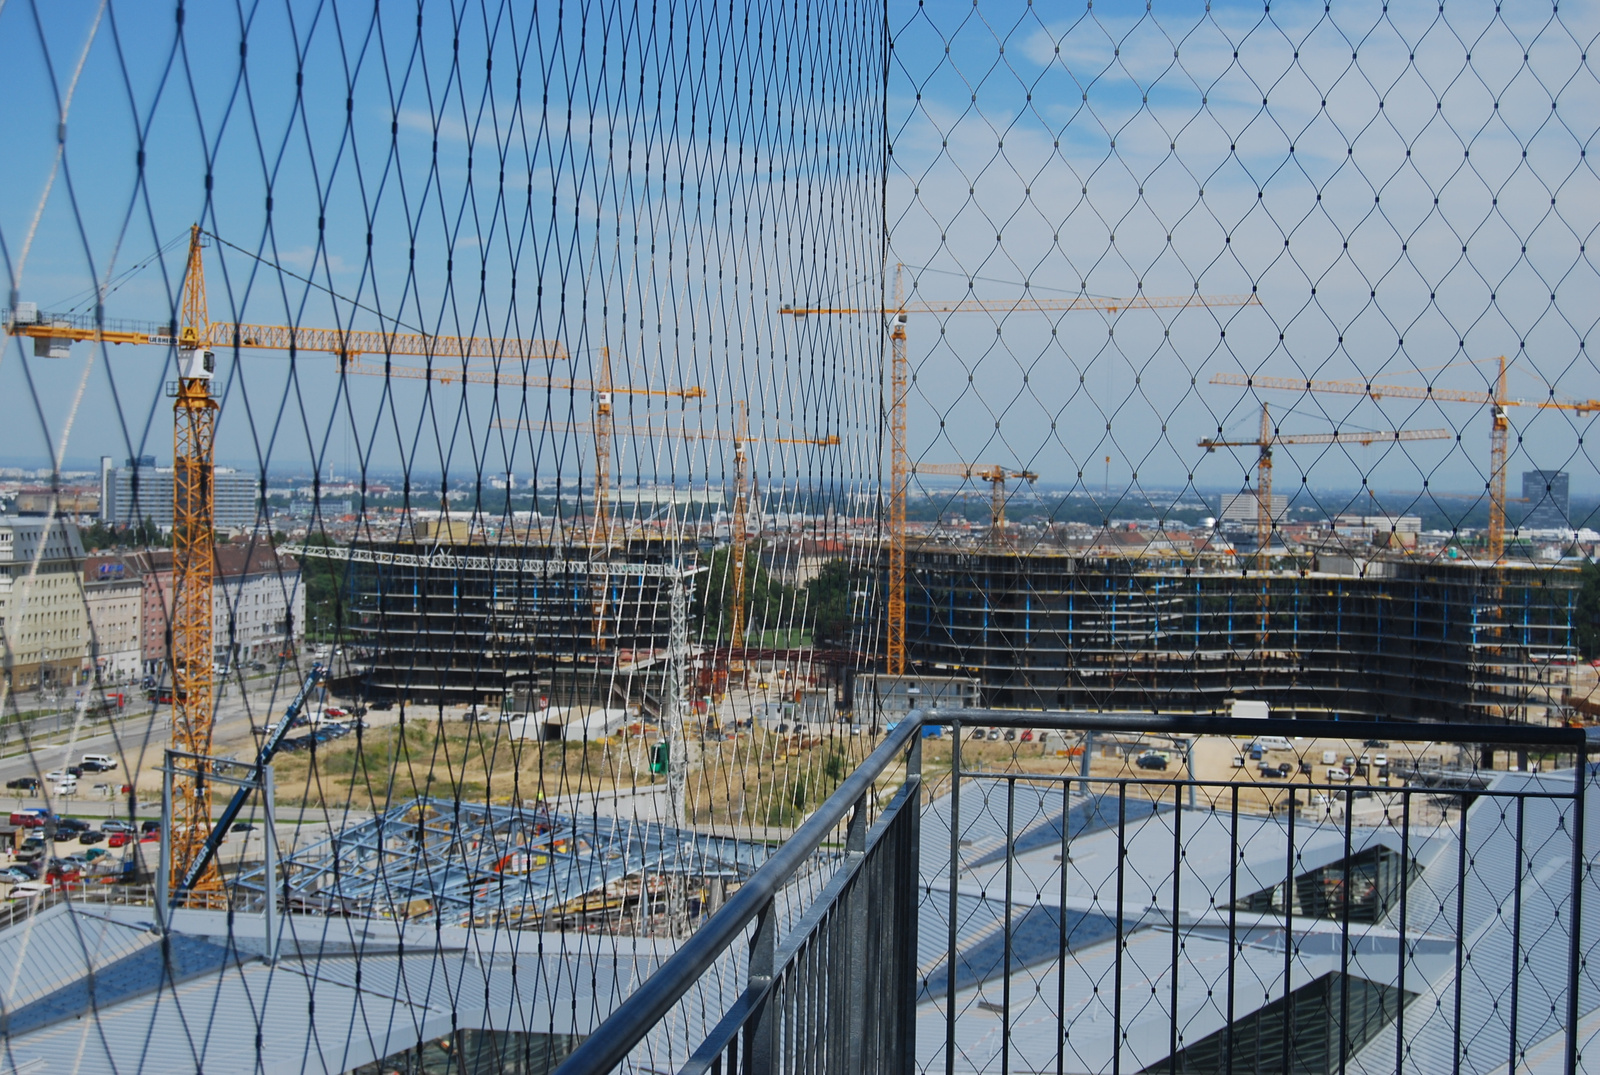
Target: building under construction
(468,623)
(1398,637)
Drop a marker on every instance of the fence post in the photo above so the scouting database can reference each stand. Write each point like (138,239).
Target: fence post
(858,896)
(761,1032)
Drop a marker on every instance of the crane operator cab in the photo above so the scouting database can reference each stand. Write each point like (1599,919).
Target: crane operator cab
(197,363)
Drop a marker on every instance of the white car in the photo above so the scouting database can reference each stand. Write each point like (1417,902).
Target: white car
(1337,774)
(69,786)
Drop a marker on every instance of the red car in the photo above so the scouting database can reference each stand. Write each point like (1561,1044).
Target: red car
(147,838)
(116,839)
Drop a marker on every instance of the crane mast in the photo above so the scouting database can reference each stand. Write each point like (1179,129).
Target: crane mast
(899,477)
(193,558)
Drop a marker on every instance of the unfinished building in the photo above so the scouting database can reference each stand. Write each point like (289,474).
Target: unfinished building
(471,623)
(1399,637)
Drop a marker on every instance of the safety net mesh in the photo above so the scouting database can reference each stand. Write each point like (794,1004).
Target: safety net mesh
(480,475)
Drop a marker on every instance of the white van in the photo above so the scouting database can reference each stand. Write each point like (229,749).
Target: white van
(1272,742)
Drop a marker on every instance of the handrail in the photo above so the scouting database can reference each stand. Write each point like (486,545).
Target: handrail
(628,1025)
(637,1016)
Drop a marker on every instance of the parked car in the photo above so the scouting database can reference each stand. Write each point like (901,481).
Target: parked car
(13,875)
(242,826)
(150,838)
(116,824)
(1269,771)
(102,763)
(71,824)
(24,783)
(333,712)
(149,826)
(1152,759)
(55,776)
(994,733)
(117,839)
(30,819)
(91,837)
(69,786)
(29,890)
(1337,774)
(383,705)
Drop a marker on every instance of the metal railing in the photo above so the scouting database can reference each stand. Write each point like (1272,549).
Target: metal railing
(1076,912)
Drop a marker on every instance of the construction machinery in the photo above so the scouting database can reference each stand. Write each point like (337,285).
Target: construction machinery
(195,342)
(996,477)
(200,864)
(899,382)
(1270,435)
(1496,400)
(739,519)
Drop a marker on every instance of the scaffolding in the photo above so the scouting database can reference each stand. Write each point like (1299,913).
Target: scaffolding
(1401,638)
(514,867)
(467,624)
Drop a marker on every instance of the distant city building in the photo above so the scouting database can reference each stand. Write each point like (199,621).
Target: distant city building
(1397,531)
(258,604)
(1547,501)
(113,602)
(68,501)
(41,602)
(1243,508)
(131,494)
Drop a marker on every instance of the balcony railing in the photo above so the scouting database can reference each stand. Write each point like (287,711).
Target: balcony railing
(1135,893)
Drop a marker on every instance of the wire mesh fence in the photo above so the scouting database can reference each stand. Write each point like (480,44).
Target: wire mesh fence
(600,425)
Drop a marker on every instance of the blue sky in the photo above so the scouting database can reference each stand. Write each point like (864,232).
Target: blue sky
(1087,146)
(585,175)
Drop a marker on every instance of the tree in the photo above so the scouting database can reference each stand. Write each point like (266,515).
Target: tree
(768,604)
(325,584)
(828,603)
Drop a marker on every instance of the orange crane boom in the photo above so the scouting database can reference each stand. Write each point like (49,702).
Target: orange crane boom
(1269,436)
(996,476)
(194,437)
(1497,400)
(899,383)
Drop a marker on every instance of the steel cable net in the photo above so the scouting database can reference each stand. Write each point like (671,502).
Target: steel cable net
(1228,329)
(1244,353)
(504,505)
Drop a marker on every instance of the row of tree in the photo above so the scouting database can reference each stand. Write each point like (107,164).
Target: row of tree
(821,607)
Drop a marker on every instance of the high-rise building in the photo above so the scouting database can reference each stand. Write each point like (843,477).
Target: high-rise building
(140,491)
(1548,505)
(1243,508)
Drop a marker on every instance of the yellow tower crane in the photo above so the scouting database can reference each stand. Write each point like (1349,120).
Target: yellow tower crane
(996,477)
(739,522)
(194,434)
(1496,399)
(1269,436)
(899,383)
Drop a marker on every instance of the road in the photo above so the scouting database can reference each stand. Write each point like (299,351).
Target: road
(137,741)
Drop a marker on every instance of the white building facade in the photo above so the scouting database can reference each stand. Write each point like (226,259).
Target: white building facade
(113,601)
(41,603)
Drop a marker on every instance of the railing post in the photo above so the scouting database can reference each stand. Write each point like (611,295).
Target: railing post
(908,882)
(858,897)
(761,1032)
(1580,867)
